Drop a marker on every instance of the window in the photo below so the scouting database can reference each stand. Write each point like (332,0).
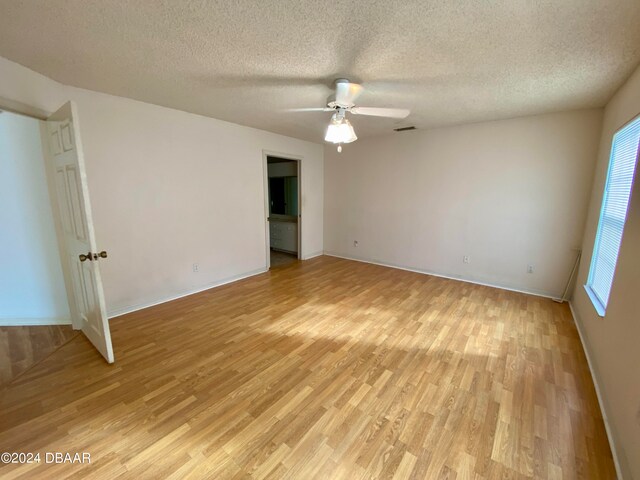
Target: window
(617,190)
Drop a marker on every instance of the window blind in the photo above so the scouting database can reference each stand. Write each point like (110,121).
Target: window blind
(622,163)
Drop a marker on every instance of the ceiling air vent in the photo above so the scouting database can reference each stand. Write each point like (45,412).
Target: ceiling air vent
(404,129)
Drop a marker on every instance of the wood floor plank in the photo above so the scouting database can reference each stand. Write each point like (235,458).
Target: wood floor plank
(326,368)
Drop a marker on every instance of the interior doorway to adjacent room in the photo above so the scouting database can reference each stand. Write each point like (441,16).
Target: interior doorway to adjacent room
(52,274)
(32,289)
(283,210)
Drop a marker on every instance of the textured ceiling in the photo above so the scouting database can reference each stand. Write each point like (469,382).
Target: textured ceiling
(248,61)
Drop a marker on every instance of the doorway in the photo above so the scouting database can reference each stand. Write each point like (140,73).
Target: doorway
(32,289)
(35,319)
(283,208)
(71,284)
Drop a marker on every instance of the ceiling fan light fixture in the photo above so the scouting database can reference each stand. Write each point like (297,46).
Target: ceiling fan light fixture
(340,130)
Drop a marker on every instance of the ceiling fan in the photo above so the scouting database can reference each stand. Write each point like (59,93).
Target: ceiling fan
(342,102)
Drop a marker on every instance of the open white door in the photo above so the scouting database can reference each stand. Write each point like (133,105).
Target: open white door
(77,238)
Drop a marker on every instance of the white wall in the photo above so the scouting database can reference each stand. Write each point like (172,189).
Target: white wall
(506,193)
(169,189)
(612,341)
(31,283)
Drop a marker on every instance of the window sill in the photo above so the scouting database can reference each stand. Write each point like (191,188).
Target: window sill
(600,309)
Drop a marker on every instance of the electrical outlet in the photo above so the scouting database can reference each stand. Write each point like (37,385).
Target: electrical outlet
(355,243)
(196,267)
(466,259)
(530,268)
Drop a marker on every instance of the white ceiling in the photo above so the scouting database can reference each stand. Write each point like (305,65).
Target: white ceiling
(248,61)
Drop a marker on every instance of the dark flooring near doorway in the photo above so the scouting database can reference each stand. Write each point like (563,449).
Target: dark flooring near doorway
(281,258)
(22,347)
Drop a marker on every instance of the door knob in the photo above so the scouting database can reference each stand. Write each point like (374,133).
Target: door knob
(97,256)
(92,256)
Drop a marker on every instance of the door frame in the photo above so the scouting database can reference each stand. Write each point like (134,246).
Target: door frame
(265,170)
(20,108)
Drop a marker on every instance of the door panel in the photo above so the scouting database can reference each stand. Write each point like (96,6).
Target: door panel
(67,136)
(74,195)
(56,144)
(74,211)
(61,186)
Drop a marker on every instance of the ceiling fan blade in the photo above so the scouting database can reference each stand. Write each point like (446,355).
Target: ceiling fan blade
(312,109)
(381,112)
(346,92)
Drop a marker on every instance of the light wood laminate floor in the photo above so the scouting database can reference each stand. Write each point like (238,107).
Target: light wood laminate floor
(323,369)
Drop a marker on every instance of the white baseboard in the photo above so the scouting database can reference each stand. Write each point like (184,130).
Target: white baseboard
(134,308)
(117,312)
(596,384)
(441,275)
(21,322)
